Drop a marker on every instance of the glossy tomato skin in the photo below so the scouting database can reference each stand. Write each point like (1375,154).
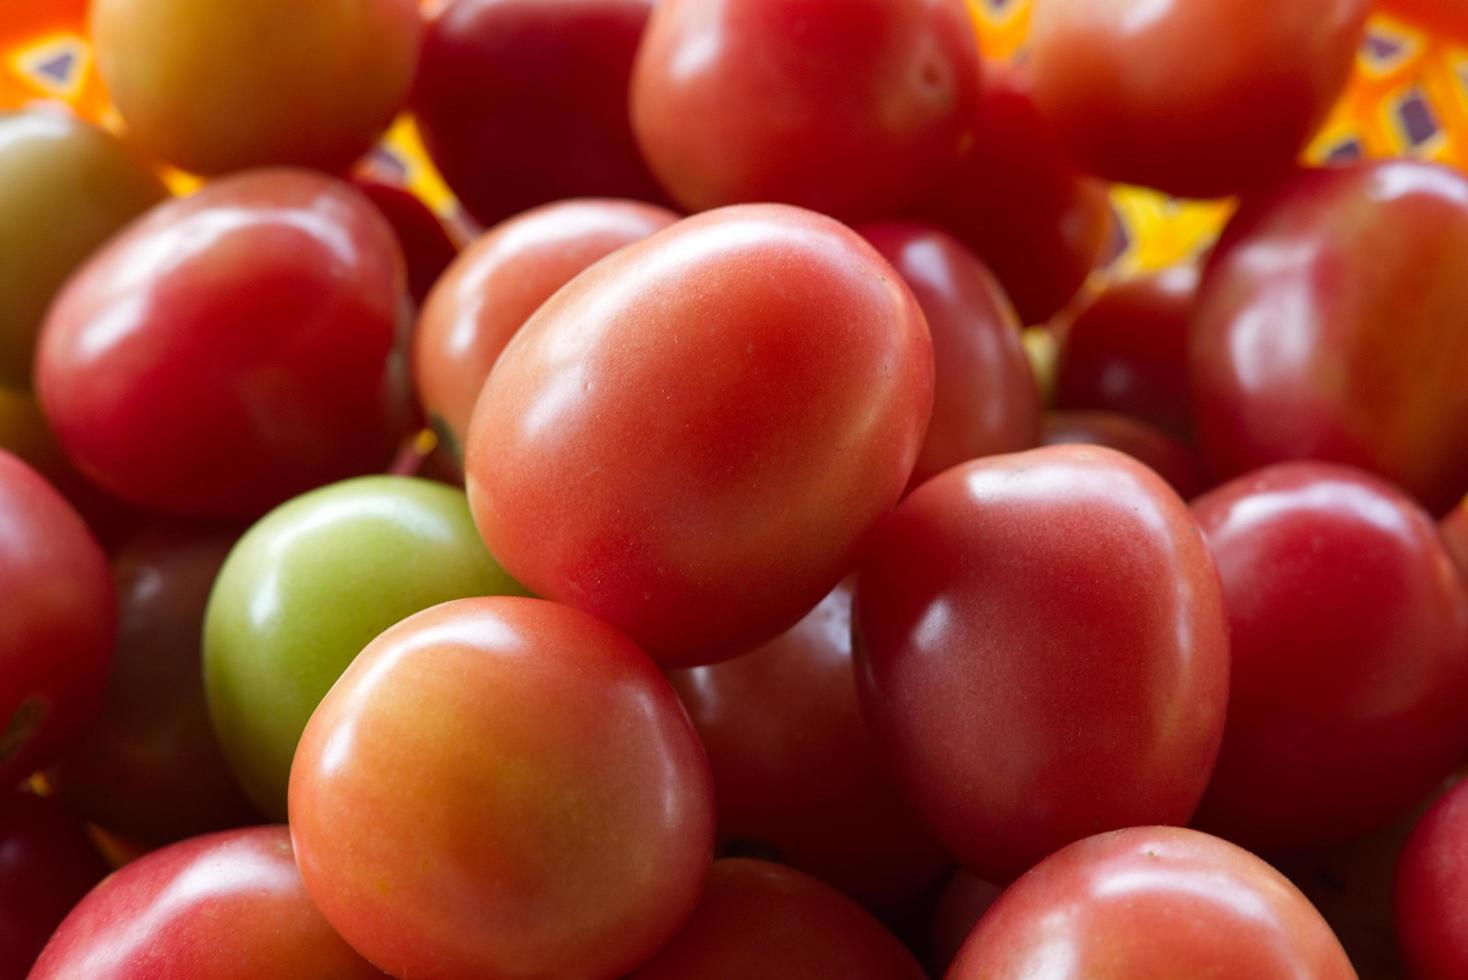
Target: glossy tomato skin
(758,919)
(1042,650)
(985,399)
(845,108)
(226,906)
(1431,895)
(702,489)
(499,282)
(1330,326)
(1350,652)
(1151,903)
(232,349)
(1196,99)
(542,770)
(1175,461)
(427,246)
(523,102)
(795,768)
(1454,530)
(963,903)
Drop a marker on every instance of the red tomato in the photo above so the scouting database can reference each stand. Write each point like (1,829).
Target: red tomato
(1152,903)
(1176,462)
(847,108)
(1042,650)
(702,489)
(523,102)
(1432,891)
(232,349)
(503,278)
(225,906)
(1454,529)
(1199,99)
(758,919)
(985,400)
(1350,655)
(426,243)
(502,788)
(1330,326)
(963,903)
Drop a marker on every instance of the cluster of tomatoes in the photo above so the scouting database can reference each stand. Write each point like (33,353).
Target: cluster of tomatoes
(694,578)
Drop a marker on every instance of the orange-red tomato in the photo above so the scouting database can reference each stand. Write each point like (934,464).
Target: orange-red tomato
(1431,895)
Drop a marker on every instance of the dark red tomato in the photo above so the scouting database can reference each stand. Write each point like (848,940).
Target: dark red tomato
(963,903)
(1043,652)
(60,616)
(426,243)
(1127,351)
(985,399)
(1019,204)
(1454,529)
(1330,326)
(1432,891)
(1350,655)
(226,906)
(848,108)
(46,865)
(795,769)
(702,489)
(1152,903)
(523,102)
(232,349)
(1196,99)
(1176,462)
(499,282)
(503,787)
(758,919)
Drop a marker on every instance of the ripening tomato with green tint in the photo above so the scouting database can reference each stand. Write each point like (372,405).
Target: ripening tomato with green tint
(428,248)
(1454,530)
(307,588)
(503,788)
(1172,459)
(1042,651)
(1349,629)
(1198,98)
(500,280)
(1431,894)
(692,439)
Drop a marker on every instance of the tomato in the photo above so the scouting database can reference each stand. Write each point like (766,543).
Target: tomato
(426,243)
(1042,651)
(219,907)
(703,489)
(1454,530)
(965,900)
(503,278)
(758,919)
(1431,894)
(1151,903)
(1176,462)
(216,87)
(1199,99)
(65,186)
(1330,327)
(1350,655)
(503,787)
(846,108)
(232,349)
(985,400)
(523,102)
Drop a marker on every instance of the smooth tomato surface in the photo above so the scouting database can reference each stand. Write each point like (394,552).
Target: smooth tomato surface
(1175,461)
(427,246)
(1454,530)
(964,901)
(1431,895)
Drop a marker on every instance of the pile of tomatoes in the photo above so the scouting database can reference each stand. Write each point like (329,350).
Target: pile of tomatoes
(696,577)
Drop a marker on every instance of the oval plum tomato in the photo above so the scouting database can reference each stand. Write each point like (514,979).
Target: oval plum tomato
(65,187)
(1151,903)
(1042,651)
(985,400)
(846,108)
(498,283)
(225,906)
(60,616)
(1432,891)
(758,919)
(692,439)
(795,769)
(538,772)
(963,903)
(216,87)
(232,349)
(1330,326)
(1199,98)
(1350,655)
(427,246)
(1176,462)
(1454,530)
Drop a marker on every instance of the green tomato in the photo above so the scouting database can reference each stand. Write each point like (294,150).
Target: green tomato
(307,588)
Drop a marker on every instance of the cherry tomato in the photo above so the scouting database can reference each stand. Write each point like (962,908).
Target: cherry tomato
(1042,650)
(1432,891)
(702,489)
(426,243)
(1330,327)
(1151,903)
(1454,529)
(1199,99)
(232,349)
(503,787)
(846,108)
(963,903)
(501,279)
(1176,462)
